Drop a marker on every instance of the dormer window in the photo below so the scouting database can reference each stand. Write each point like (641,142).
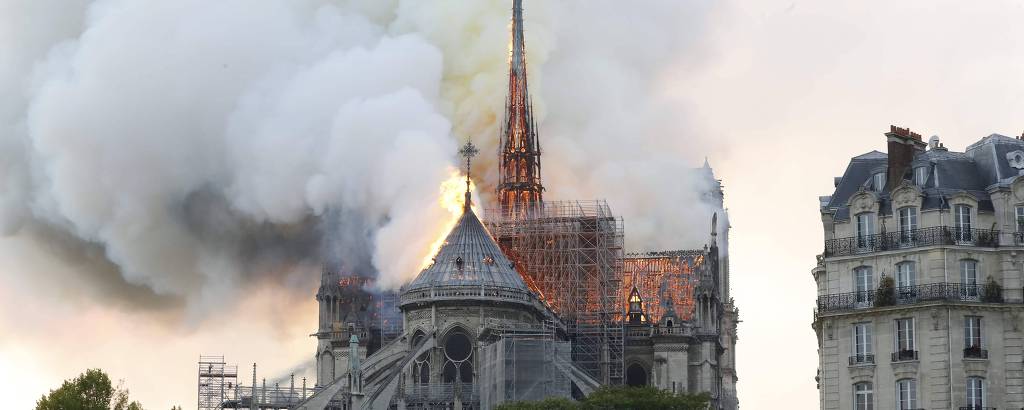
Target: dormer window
(878,181)
(636,307)
(920,176)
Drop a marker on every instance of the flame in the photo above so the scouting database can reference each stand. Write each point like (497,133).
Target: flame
(452,197)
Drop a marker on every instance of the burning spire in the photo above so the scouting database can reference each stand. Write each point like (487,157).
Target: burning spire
(519,188)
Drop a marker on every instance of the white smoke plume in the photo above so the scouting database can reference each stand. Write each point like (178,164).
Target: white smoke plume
(182,150)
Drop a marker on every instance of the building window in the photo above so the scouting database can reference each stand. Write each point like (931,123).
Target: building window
(1020,219)
(904,343)
(908,223)
(862,352)
(906,280)
(969,288)
(906,394)
(921,176)
(975,392)
(865,229)
(878,181)
(864,281)
(972,331)
(962,220)
(863,396)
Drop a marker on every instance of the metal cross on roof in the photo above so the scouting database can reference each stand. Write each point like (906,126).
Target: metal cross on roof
(469,151)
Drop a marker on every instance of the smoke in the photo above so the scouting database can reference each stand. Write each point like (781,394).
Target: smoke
(188,149)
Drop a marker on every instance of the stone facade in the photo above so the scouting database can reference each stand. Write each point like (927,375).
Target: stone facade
(920,283)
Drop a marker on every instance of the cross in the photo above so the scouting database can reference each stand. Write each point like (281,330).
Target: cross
(469,151)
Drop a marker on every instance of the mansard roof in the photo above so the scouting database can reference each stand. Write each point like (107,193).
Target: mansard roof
(984,164)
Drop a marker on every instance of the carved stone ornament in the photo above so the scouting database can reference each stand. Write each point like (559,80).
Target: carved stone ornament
(905,196)
(1018,189)
(863,202)
(1015,159)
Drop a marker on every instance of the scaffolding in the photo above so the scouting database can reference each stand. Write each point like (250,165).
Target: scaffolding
(217,381)
(571,254)
(664,280)
(521,365)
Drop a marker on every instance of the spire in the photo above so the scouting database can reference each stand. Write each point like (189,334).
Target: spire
(519,186)
(469,151)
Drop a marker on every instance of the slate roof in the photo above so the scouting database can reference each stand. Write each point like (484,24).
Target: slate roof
(982,165)
(469,257)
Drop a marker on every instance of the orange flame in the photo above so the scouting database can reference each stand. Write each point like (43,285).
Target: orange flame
(452,198)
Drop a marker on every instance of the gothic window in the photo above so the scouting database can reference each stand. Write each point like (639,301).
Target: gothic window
(458,352)
(636,307)
(636,375)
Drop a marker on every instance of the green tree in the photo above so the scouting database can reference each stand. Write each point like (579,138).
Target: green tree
(91,390)
(886,295)
(619,398)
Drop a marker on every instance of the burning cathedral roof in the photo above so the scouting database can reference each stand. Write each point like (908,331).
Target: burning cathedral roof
(469,257)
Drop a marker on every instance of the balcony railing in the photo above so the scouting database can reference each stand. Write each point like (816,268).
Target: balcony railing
(937,235)
(904,356)
(906,295)
(977,408)
(975,352)
(862,359)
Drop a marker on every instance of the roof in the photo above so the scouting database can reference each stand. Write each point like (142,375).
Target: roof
(981,166)
(469,257)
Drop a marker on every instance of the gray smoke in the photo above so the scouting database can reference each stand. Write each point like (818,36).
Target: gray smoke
(179,151)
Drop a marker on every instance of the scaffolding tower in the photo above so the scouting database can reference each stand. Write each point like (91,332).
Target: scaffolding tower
(217,382)
(571,254)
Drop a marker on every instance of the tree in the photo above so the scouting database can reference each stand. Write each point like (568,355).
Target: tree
(886,295)
(91,390)
(619,398)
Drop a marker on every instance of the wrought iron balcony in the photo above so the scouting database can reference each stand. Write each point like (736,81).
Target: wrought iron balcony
(904,356)
(907,295)
(862,359)
(975,352)
(977,408)
(937,235)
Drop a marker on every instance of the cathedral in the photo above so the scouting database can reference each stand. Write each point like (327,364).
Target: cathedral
(535,299)
(530,300)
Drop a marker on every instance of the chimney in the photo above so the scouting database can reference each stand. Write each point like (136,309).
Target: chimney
(903,146)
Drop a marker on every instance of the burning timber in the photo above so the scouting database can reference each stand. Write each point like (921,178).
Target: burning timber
(537,299)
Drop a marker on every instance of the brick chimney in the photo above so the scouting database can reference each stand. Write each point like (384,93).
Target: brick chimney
(903,145)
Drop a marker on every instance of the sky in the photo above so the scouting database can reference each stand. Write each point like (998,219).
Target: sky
(165,167)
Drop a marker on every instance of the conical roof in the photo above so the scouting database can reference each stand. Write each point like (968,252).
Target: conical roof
(469,257)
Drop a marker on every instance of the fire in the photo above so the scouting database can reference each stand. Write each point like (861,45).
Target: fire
(452,197)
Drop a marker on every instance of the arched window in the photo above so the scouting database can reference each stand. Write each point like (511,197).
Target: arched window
(863,396)
(878,182)
(636,375)
(976,392)
(906,394)
(326,368)
(921,176)
(458,352)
